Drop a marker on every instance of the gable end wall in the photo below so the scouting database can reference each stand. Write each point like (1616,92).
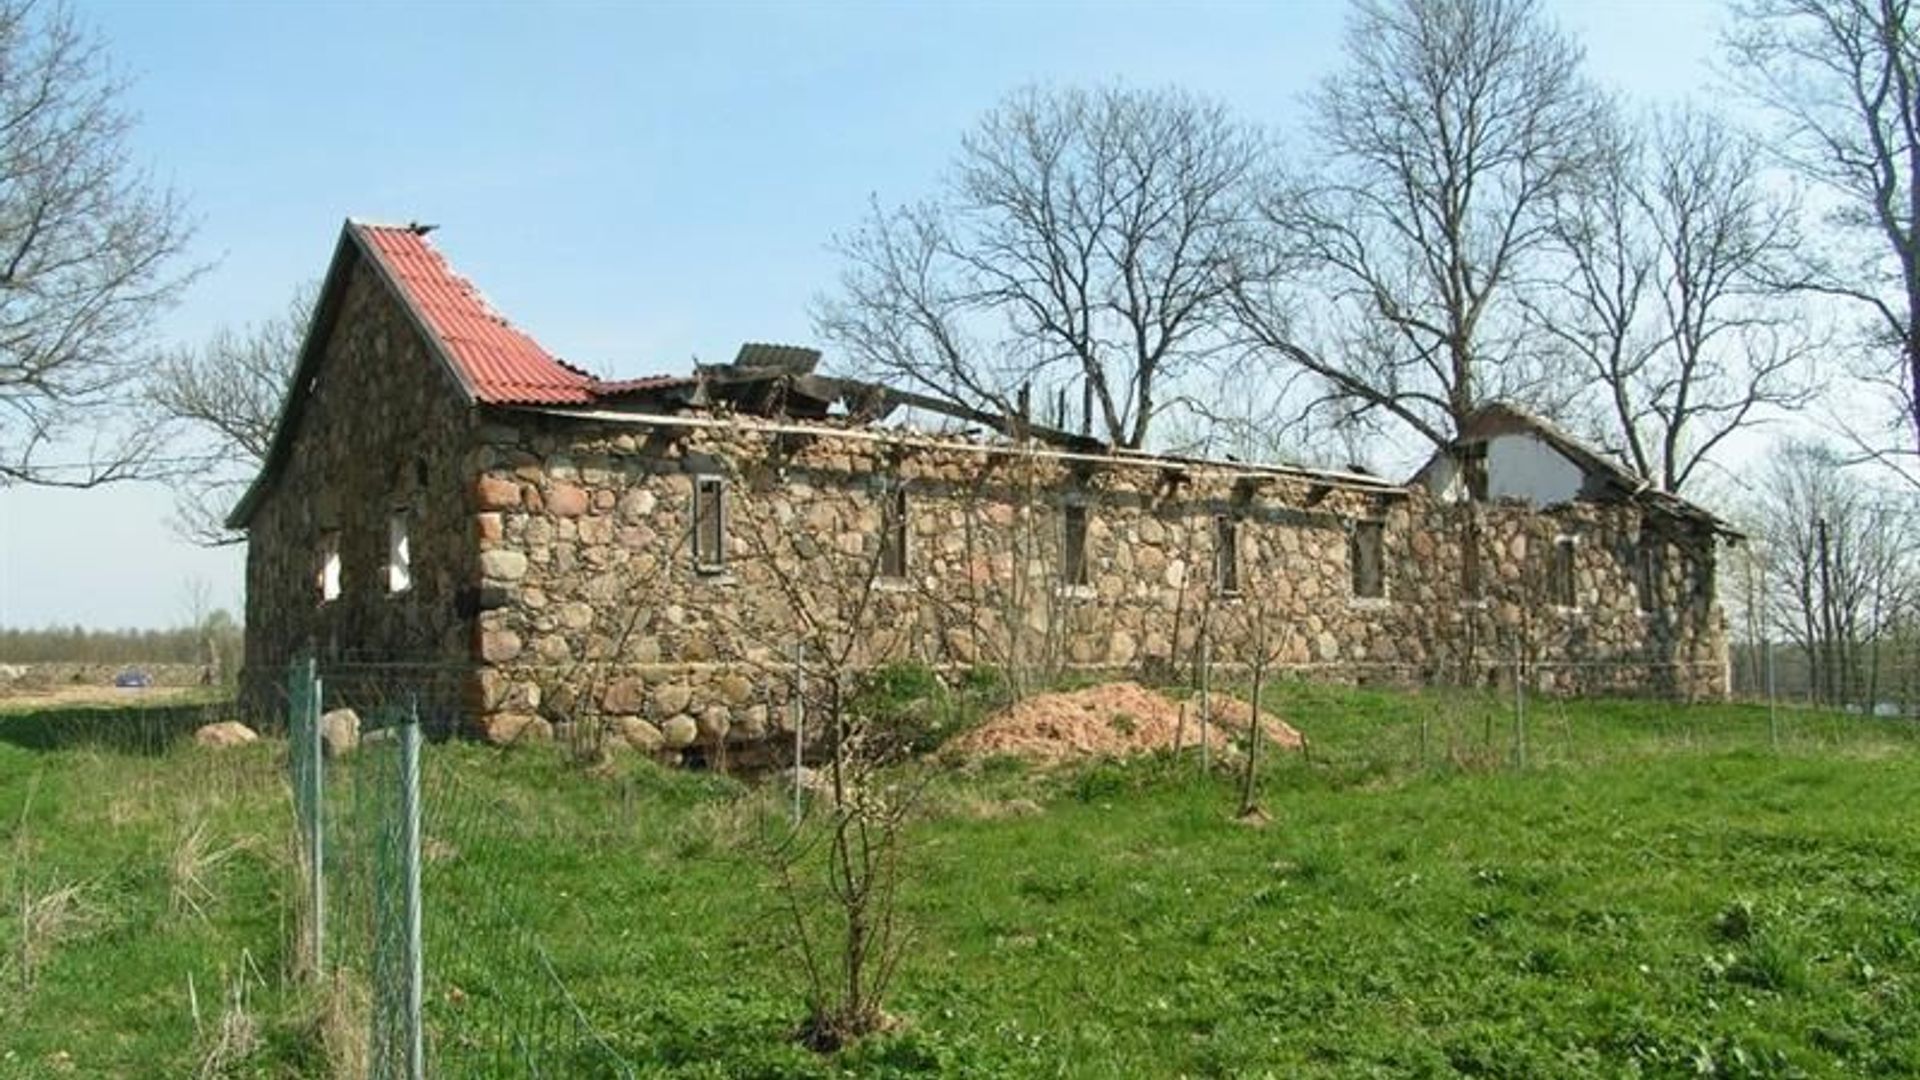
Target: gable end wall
(385,430)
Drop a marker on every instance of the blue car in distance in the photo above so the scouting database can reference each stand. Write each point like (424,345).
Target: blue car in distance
(133,679)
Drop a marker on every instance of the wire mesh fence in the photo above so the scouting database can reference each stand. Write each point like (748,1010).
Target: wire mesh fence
(440,953)
(467,910)
(422,930)
(1530,712)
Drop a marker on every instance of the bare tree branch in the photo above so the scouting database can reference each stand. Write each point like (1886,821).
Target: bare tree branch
(1091,236)
(88,250)
(224,399)
(1454,128)
(1661,295)
(1843,79)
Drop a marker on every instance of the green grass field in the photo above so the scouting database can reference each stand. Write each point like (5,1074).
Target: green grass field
(1661,891)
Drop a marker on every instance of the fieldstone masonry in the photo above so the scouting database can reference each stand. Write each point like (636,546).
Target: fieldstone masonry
(584,531)
(552,583)
(383,433)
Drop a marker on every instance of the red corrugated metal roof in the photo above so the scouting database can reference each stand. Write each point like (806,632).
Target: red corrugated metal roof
(497,361)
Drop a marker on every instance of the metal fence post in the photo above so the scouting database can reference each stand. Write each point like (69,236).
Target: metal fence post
(1206,697)
(1773,701)
(310,794)
(1519,713)
(410,876)
(798,710)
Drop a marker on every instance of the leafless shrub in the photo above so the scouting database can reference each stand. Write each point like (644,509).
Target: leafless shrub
(852,955)
(840,866)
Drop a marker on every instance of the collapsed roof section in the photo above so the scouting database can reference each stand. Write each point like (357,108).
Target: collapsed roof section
(779,383)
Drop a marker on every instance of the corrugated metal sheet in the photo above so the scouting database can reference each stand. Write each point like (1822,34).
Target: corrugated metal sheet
(499,363)
(798,359)
(613,387)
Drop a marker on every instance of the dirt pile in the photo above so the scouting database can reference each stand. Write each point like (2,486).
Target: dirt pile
(1112,720)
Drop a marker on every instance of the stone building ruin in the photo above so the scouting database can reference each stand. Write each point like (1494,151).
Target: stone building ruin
(443,495)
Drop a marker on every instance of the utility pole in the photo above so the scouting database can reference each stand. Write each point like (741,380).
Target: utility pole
(1830,685)
(1753,619)
(1877,629)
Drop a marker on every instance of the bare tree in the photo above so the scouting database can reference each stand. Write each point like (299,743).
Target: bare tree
(1838,550)
(224,398)
(1084,235)
(1843,77)
(1661,294)
(89,247)
(1454,128)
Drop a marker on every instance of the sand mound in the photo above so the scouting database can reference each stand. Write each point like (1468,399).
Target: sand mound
(1114,720)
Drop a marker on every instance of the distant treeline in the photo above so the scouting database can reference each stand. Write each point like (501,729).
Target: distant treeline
(214,641)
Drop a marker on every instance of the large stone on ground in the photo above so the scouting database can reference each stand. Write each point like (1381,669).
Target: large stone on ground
(808,780)
(339,731)
(225,733)
(715,722)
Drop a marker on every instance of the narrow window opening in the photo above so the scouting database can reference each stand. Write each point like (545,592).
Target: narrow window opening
(1073,561)
(1560,586)
(709,524)
(1650,569)
(399,555)
(1470,576)
(1702,568)
(327,577)
(1365,551)
(893,534)
(1226,554)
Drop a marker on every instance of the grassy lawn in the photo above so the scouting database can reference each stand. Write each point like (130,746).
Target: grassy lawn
(1660,891)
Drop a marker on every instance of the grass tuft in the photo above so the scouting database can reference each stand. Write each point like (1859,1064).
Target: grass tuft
(236,1037)
(193,866)
(47,919)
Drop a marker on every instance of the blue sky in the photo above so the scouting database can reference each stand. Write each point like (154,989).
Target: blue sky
(637,185)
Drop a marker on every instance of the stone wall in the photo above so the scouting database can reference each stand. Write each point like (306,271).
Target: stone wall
(594,605)
(384,430)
